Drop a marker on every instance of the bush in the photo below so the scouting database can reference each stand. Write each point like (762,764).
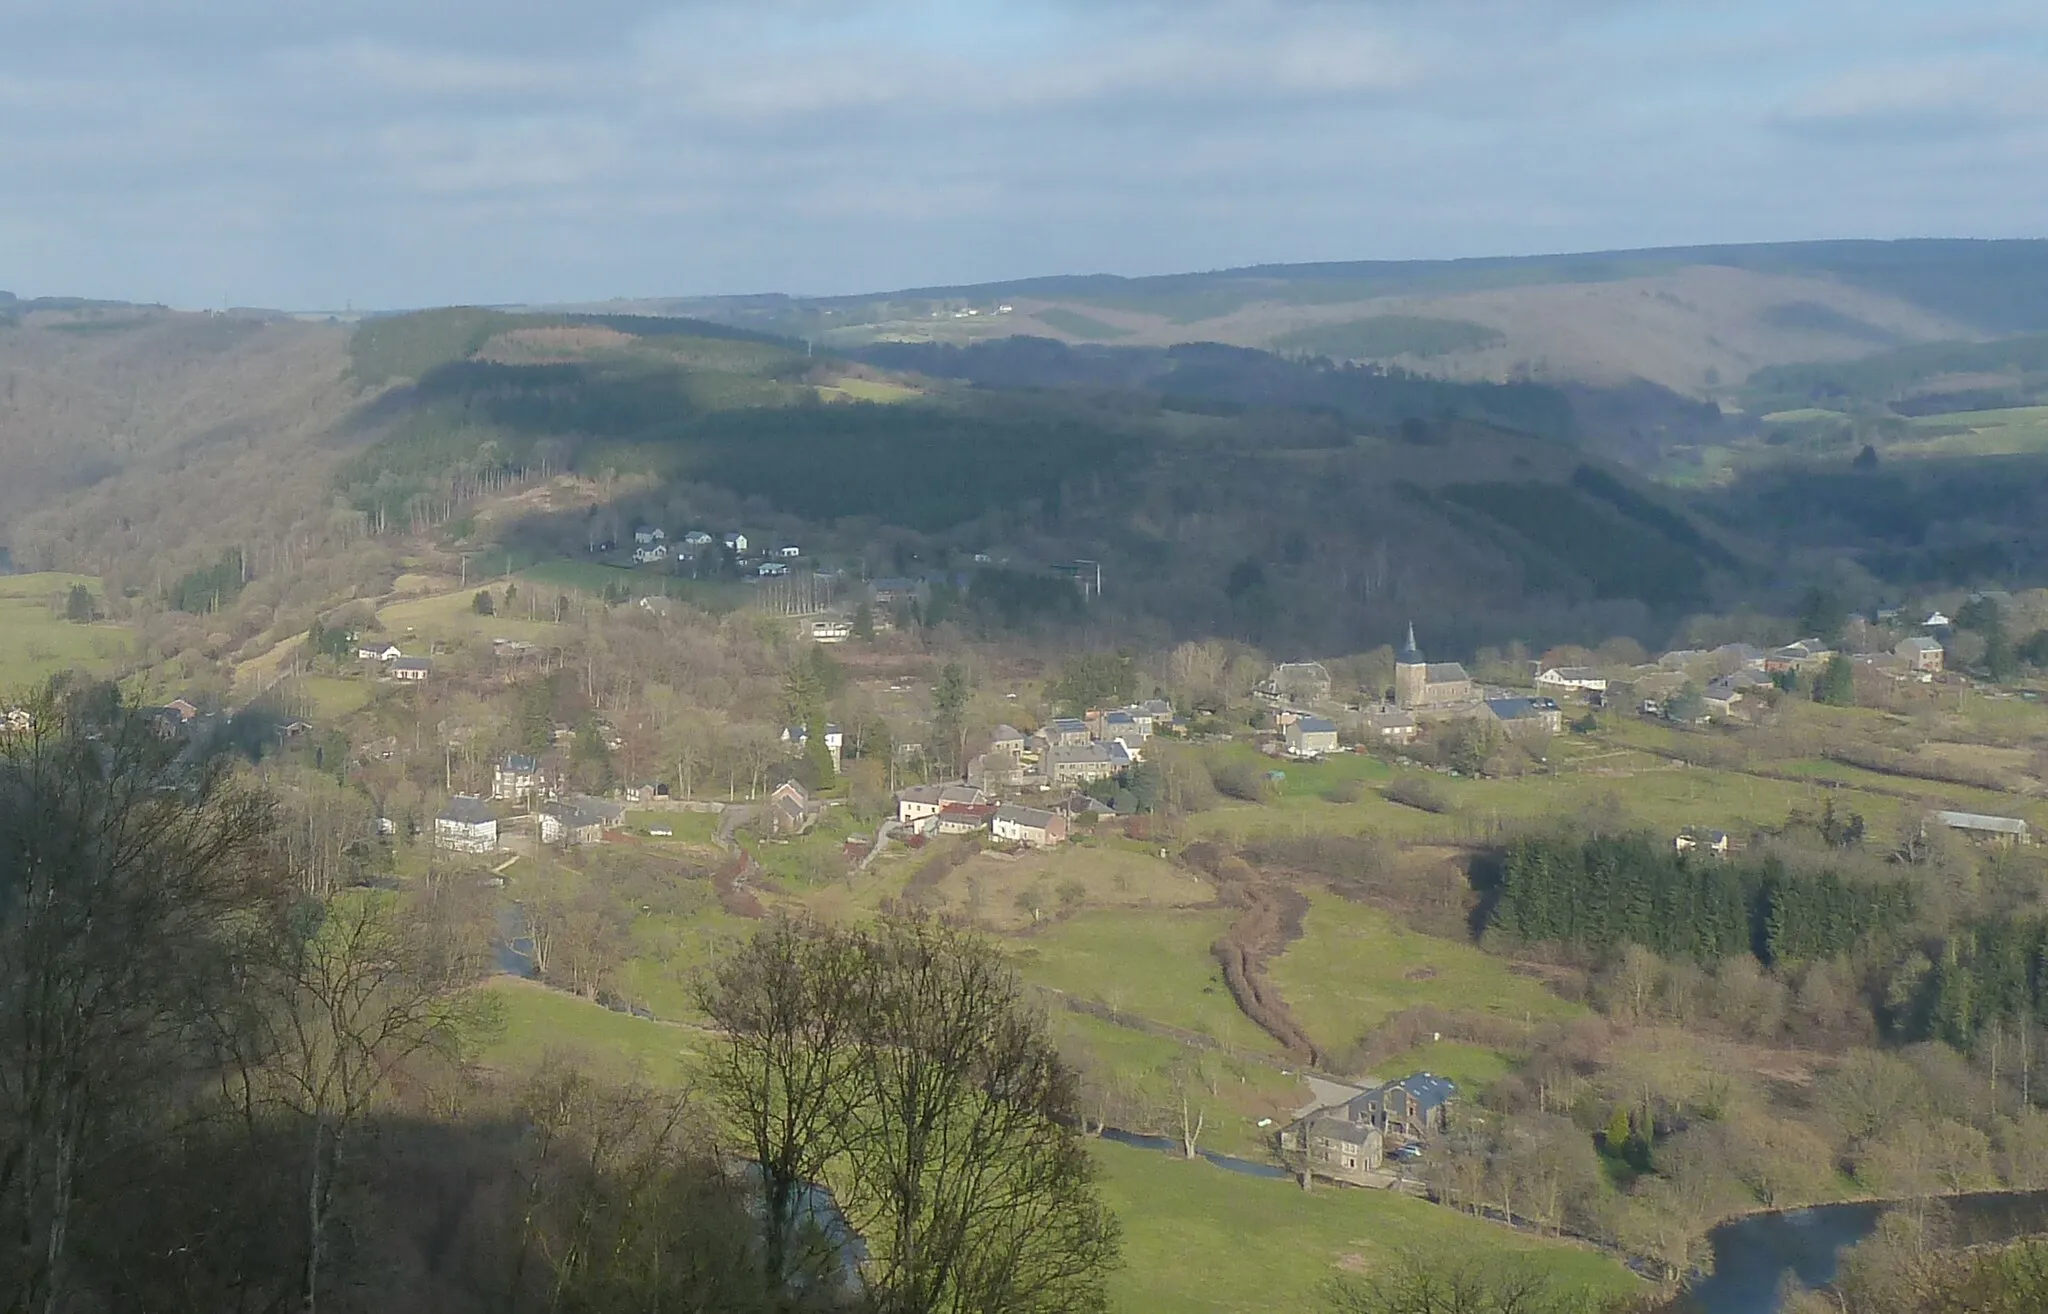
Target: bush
(1345,791)
(1415,792)
(1242,780)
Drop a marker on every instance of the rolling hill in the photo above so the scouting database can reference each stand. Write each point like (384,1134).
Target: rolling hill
(1696,319)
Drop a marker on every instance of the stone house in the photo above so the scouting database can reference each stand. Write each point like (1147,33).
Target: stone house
(1032,826)
(1922,655)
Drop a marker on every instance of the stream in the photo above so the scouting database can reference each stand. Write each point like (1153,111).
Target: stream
(1752,1255)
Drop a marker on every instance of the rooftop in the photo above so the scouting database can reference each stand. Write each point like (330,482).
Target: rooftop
(468,810)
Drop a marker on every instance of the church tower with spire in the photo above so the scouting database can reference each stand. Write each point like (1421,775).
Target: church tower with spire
(1411,674)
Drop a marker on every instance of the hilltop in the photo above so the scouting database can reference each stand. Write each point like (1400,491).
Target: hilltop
(1696,319)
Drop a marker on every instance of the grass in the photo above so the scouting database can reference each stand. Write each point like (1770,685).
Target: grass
(594,577)
(1142,1065)
(37,642)
(335,696)
(1075,324)
(538,1023)
(1154,964)
(688,827)
(1200,1239)
(450,618)
(1473,1067)
(1354,967)
(868,390)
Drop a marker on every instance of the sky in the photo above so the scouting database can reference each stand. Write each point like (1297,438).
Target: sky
(313,154)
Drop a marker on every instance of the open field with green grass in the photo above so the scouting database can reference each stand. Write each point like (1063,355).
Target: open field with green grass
(1200,1239)
(36,641)
(1354,967)
(1473,1067)
(1155,964)
(1139,1069)
(335,696)
(537,1023)
(451,618)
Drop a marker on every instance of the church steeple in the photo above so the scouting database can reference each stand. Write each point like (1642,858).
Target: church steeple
(1410,655)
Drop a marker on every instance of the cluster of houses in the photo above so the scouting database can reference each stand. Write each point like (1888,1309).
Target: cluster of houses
(1051,763)
(470,824)
(651,546)
(1349,1140)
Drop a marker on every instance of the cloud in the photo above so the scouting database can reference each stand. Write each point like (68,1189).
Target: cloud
(393,152)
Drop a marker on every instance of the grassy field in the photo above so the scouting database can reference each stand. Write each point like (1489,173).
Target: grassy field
(868,390)
(1141,1067)
(1200,1239)
(1354,967)
(335,696)
(36,641)
(2009,432)
(1154,964)
(538,1023)
(451,618)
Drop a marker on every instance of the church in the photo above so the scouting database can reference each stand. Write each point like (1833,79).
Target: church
(1422,685)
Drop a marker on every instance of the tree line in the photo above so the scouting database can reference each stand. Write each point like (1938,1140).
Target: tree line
(1603,891)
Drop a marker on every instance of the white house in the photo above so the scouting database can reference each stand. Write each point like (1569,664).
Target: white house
(1311,736)
(387,653)
(1580,679)
(659,552)
(799,737)
(831,631)
(649,535)
(697,538)
(789,550)
(737,542)
(466,825)
(768,568)
(921,802)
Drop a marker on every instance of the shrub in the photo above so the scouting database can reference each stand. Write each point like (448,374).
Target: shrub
(1415,792)
(1243,780)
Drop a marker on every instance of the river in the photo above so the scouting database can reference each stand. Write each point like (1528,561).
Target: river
(1752,1255)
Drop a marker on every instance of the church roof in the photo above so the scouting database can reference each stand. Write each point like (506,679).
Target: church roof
(1410,655)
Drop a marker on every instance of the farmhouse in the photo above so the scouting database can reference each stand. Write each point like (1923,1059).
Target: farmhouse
(1413,1107)
(645,535)
(1311,736)
(1798,656)
(1298,682)
(1392,724)
(578,820)
(1423,684)
(1576,679)
(831,631)
(737,542)
(1525,716)
(413,669)
(1335,1146)
(921,802)
(1923,656)
(466,825)
(1033,826)
(647,555)
(375,653)
(1693,839)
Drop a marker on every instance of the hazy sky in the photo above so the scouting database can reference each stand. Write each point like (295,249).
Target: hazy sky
(306,153)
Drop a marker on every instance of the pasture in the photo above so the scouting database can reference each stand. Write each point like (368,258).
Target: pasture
(1152,964)
(1201,1239)
(1354,967)
(36,642)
